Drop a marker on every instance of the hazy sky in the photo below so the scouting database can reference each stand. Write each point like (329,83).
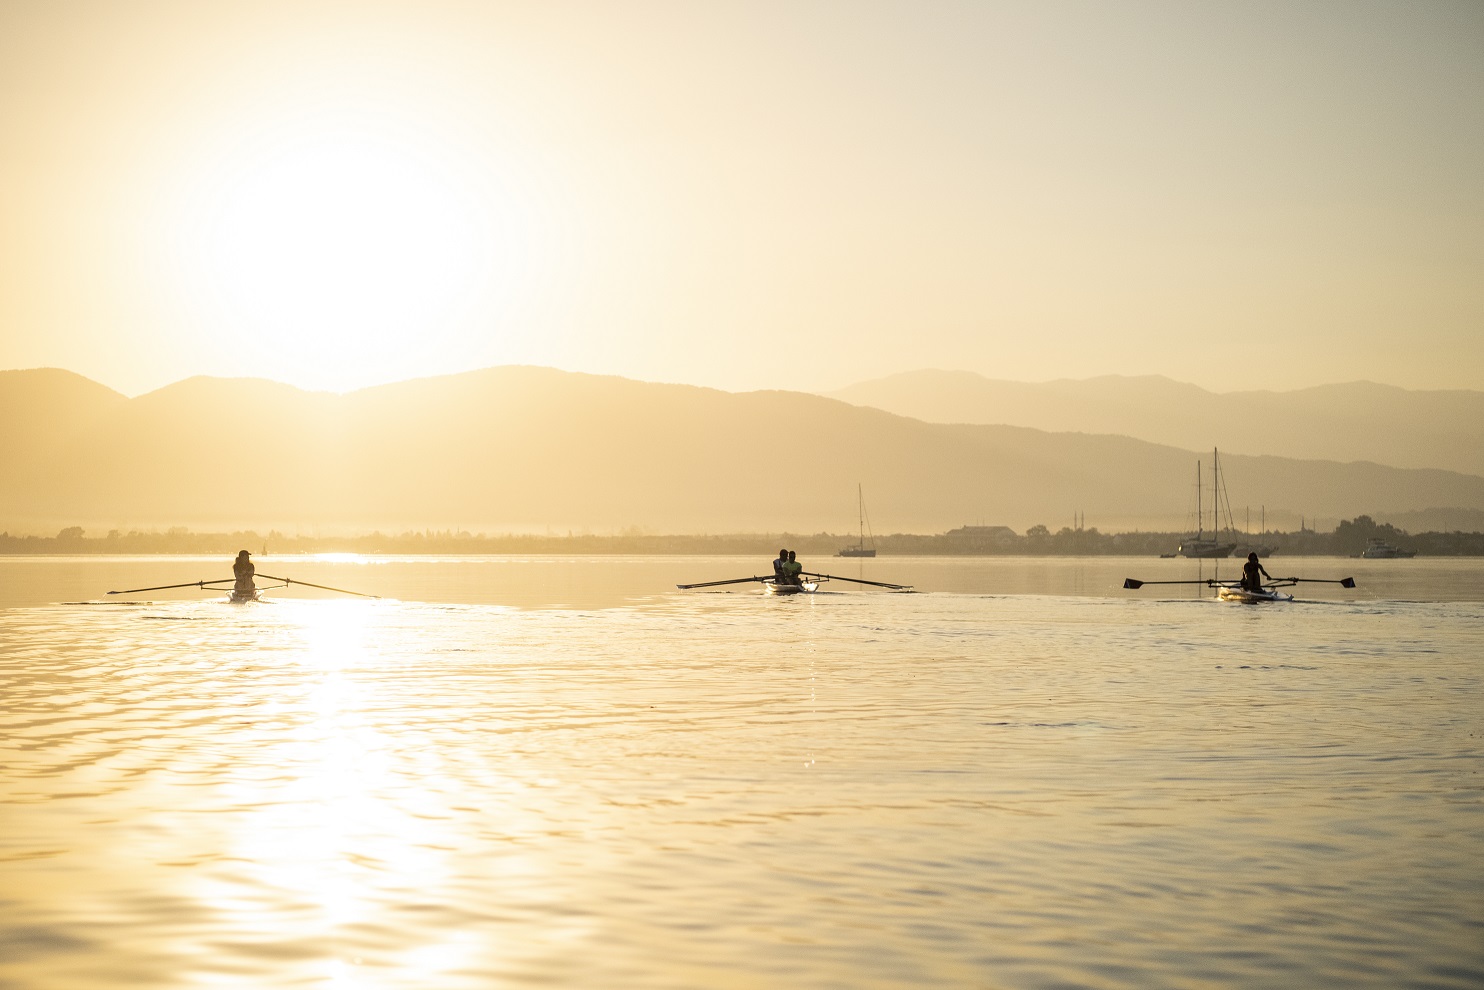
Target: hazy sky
(745,195)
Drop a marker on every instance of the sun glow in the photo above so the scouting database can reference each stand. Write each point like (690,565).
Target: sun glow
(344,247)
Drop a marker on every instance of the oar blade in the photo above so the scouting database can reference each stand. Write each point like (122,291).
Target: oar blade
(1132,585)
(1348,582)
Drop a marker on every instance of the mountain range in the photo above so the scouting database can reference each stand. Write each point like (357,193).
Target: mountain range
(525,449)
(1355,421)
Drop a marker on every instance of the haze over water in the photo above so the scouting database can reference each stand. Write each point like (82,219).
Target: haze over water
(336,268)
(650,788)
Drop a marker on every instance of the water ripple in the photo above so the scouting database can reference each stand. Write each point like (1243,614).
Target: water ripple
(848,791)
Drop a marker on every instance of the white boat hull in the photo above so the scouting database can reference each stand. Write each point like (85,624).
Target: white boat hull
(773,588)
(1377,550)
(1205,549)
(1228,594)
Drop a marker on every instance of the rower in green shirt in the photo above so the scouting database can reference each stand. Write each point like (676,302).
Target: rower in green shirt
(792,571)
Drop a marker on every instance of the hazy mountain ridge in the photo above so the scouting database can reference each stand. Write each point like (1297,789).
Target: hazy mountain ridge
(522,449)
(41,404)
(1355,421)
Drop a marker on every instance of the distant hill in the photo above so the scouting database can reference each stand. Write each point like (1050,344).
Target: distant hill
(1359,421)
(521,449)
(44,407)
(1435,520)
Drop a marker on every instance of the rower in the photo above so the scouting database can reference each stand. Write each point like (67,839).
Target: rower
(792,571)
(243,570)
(780,564)
(1250,570)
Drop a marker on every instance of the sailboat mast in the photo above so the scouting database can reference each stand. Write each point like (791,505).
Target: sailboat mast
(1200,512)
(1219,494)
(1215,496)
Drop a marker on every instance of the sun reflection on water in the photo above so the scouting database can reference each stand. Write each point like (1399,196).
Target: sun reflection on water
(862,791)
(341,816)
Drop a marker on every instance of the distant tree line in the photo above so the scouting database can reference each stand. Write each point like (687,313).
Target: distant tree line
(1349,538)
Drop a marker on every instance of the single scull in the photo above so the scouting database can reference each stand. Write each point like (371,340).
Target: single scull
(237,596)
(1234,591)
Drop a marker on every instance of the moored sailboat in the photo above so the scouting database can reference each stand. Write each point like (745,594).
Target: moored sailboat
(860,549)
(1199,545)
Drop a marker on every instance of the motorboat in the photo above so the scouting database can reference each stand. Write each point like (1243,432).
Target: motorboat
(1376,549)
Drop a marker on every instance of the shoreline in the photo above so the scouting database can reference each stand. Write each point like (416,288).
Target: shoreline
(1144,546)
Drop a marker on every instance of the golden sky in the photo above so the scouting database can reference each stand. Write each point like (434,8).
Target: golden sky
(744,195)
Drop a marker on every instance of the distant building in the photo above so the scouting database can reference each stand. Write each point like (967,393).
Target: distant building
(986,538)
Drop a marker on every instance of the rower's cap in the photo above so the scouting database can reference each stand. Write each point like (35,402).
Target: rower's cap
(243,553)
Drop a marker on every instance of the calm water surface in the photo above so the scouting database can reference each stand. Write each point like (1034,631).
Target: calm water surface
(553,771)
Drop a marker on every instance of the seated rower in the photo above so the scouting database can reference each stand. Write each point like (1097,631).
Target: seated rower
(792,571)
(780,564)
(243,570)
(1250,570)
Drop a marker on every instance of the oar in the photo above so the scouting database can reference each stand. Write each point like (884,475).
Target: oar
(1342,582)
(162,587)
(712,584)
(322,587)
(879,584)
(1133,585)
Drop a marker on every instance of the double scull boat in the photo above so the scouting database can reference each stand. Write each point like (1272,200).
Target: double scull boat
(772,586)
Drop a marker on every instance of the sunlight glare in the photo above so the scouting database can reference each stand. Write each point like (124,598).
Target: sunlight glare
(339,827)
(350,234)
(346,245)
(335,635)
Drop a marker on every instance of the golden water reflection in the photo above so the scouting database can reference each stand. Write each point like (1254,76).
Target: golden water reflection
(861,790)
(348,811)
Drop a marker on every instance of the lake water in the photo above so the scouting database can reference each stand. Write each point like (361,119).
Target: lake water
(563,771)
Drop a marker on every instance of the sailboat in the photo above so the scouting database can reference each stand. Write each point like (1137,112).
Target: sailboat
(860,549)
(1200,545)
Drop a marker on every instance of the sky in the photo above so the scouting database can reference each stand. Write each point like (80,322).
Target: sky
(795,195)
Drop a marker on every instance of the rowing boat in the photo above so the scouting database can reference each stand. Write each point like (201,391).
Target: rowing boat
(237,596)
(1236,593)
(774,588)
(1232,591)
